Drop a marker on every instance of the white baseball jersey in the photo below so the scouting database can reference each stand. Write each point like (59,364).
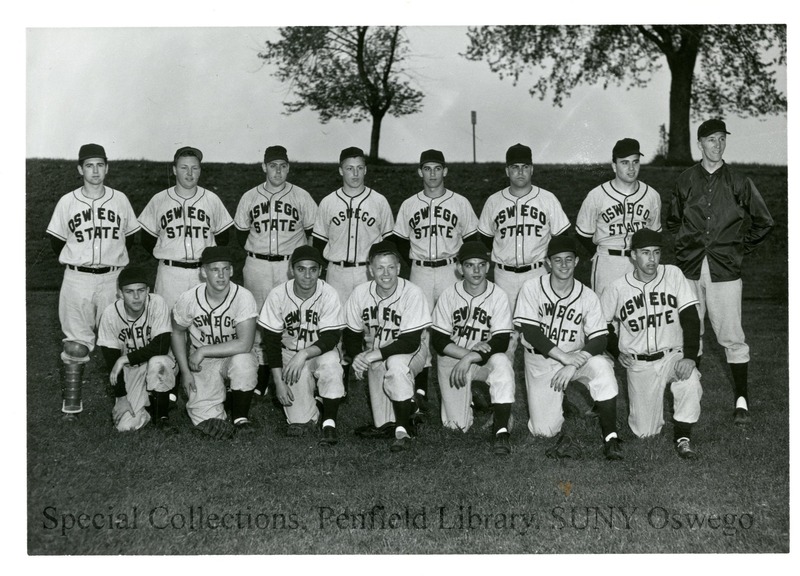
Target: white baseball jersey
(117,331)
(209,324)
(94,230)
(468,319)
(350,225)
(383,320)
(569,322)
(522,227)
(610,218)
(648,313)
(435,227)
(277,222)
(300,321)
(184,226)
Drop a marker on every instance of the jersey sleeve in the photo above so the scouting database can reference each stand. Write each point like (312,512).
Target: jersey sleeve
(608,303)
(654,222)
(271,316)
(442,317)
(330,310)
(246,307)
(58,226)
(222,219)
(558,218)
(469,220)
(486,225)
(132,225)
(526,311)
(159,316)
(387,219)
(594,324)
(352,312)
(401,228)
(501,318)
(322,220)
(310,209)
(183,312)
(148,219)
(416,314)
(107,331)
(586,222)
(685,291)
(242,219)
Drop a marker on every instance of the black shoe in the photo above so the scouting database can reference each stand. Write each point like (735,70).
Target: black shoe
(298,430)
(165,426)
(502,444)
(564,448)
(401,444)
(685,450)
(369,431)
(69,417)
(330,436)
(244,426)
(422,402)
(612,449)
(741,417)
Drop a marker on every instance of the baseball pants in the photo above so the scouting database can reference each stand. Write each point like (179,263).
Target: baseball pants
(344,279)
(456,410)
(544,403)
(393,380)
(81,302)
(172,281)
(207,400)
(646,384)
(323,373)
(260,277)
(723,301)
(511,283)
(156,375)
(433,281)
(606,269)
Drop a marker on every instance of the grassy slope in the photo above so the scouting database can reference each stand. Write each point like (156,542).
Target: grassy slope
(90,468)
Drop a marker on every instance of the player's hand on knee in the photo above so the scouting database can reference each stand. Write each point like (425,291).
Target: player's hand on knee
(188,381)
(562,378)
(283,393)
(195,359)
(121,406)
(360,365)
(459,377)
(684,368)
(626,360)
(121,362)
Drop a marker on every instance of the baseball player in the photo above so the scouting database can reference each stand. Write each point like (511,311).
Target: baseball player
(518,222)
(470,334)
(717,216)
(655,308)
(134,336)
(612,212)
(220,320)
(349,221)
(90,232)
(384,321)
(564,337)
(431,226)
(272,220)
(302,321)
(180,222)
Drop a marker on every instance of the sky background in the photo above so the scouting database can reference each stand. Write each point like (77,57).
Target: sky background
(144,92)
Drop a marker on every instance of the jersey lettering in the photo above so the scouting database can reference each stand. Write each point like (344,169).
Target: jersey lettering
(612,212)
(525,211)
(347,214)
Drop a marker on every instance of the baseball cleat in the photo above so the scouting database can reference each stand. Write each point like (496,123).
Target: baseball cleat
(401,444)
(685,450)
(69,417)
(612,449)
(244,426)
(741,417)
(370,432)
(330,436)
(564,448)
(296,430)
(164,425)
(502,444)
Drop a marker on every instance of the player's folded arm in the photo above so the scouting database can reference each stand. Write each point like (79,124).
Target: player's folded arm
(110,356)
(271,341)
(612,341)
(406,343)
(690,324)
(327,341)
(158,346)
(241,236)
(439,341)
(597,344)
(535,337)
(498,344)
(352,341)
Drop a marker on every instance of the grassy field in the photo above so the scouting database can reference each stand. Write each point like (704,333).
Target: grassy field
(94,491)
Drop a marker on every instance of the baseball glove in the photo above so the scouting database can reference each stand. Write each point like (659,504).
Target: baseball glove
(564,448)
(217,428)
(370,432)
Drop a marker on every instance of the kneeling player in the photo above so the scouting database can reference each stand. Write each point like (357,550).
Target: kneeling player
(220,319)
(470,333)
(659,338)
(384,320)
(134,336)
(302,325)
(564,336)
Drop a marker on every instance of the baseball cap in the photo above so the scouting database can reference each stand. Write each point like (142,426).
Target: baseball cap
(473,249)
(710,127)
(91,151)
(187,151)
(624,148)
(306,252)
(216,254)
(132,275)
(559,244)
(518,154)
(644,238)
(431,156)
(383,247)
(351,152)
(275,153)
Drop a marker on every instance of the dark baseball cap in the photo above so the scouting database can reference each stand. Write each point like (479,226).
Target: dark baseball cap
(624,148)
(91,151)
(132,275)
(710,127)
(474,249)
(431,156)
(383,247)
(275,153)
(351,152)
(216,254)
(306,252)
(187,151)
(518,154)
(561,243)
(644,238)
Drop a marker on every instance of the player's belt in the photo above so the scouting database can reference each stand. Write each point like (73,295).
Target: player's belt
(434,263)
(269,257)
(350,264)
(612,252)
(520,269)
(87,270)
(179,264)
(650,357)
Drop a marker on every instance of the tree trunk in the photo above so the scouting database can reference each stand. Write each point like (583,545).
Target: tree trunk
(681,65)
(375,137)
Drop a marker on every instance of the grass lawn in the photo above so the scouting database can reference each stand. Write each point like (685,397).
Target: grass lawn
(92,490)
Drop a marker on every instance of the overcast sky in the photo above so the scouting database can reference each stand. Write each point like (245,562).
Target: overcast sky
(143,92)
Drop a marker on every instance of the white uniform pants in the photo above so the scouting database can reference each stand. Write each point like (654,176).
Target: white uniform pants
(172,281)
(260,277)
(155,375)
(323,373)
(207,401)
(81,302)
(607,268)
(393,380)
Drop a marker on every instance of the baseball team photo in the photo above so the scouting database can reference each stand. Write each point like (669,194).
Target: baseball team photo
(408,290)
